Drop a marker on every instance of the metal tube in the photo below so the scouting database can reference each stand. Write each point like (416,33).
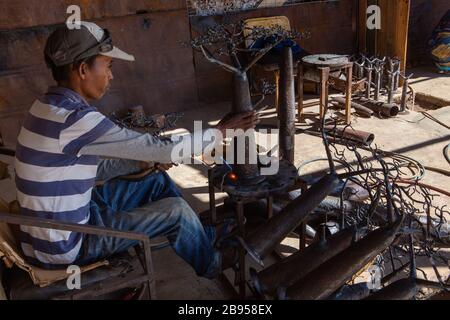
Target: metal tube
(391,88)
(360,109)
(369,82)
(286,111)
(334,273)
(260,244)
(248,174)
(404,289)
(377,83)
(397,75)
(404,93)
(351,134)
(288,271)
(386,109)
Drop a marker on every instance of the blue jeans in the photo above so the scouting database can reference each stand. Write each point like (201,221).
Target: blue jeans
(153,206)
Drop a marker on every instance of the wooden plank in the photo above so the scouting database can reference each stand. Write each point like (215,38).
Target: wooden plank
(401,35)
(162,78)
(393,36)
(26,13)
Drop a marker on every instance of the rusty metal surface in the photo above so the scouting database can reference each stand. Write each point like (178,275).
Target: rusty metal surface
(288,271)
(331,275)
(286,111)
(358,136)
(260,244)
(403,289)
(277,183)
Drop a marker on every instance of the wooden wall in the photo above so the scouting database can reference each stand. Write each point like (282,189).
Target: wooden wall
(167,76)
(332,26)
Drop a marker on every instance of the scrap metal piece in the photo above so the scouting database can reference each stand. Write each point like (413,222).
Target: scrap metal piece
(288,271)
(286,111)
(404,92)
(322,282)
(259,244)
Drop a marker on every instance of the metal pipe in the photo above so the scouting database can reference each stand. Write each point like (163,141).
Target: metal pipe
(288,271)
(349,133)
(378,76)
(247,173)
(404,92)
(390,87)
(286,111)
(386,109)
(360,109)
(396,74)
(357,291)
(369,71)
(334,273)
(403,289)
(273,231)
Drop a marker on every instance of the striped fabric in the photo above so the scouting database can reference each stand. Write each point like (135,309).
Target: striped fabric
(53,180)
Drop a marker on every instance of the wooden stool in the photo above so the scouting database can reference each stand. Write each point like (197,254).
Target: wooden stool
(317,68)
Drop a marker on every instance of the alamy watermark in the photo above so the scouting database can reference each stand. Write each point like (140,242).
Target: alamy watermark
(74,20)
(373,17)
(236,147)
(74,279)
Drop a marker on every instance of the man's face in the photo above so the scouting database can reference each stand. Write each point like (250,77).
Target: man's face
(97,77)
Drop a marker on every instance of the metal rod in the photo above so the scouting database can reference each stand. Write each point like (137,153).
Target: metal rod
(286,111)
(288,271)
(331,275)
(259,244)
(369,71)
(404,92)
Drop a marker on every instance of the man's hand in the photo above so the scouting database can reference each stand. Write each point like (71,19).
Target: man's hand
(244,121)
(164,166)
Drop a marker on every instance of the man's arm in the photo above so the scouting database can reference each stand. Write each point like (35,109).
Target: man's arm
(111,168)
(128,144)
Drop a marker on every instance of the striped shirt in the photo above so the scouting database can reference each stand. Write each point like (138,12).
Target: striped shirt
(54,180)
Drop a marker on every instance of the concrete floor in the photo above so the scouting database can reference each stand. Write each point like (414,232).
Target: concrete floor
(411,134)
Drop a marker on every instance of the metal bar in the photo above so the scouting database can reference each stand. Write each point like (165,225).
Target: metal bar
(241,272)
(286,111)
(324,76)
(291,269)
(104,287)
(269,207)
(273,231)
(52,224)
(212,197)
(331,275)
(300,91)
(151,286)
(369,71)
(348,94)
(277,89)
(404,92)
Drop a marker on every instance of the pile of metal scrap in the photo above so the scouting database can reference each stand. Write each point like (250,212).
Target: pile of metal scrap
(155,124)
(386,232)
(382,77)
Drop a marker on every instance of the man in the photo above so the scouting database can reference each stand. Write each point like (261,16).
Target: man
(57,164)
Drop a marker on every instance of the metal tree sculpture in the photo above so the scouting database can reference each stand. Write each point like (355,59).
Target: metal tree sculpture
(230,41)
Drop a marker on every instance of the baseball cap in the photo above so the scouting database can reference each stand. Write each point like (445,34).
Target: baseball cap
(65,46)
